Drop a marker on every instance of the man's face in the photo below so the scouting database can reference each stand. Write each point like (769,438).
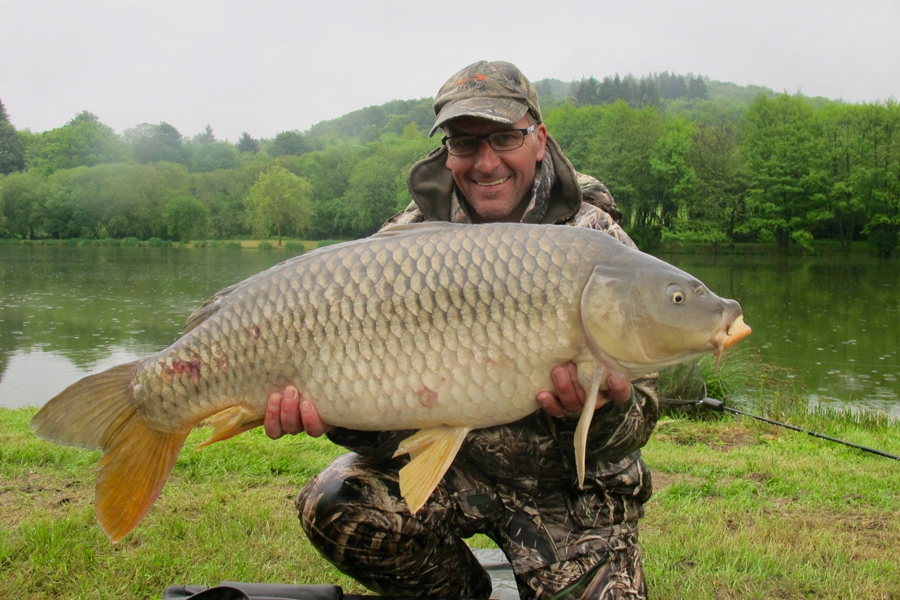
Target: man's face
(496,184)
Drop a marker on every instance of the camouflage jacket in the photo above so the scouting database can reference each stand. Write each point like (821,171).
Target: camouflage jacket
(531,462)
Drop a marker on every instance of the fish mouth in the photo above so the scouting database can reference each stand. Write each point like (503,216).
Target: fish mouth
(735,332)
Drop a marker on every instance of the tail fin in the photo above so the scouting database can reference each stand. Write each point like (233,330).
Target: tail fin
(97,413)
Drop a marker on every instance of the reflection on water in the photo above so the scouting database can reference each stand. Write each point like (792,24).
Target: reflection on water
(68,312)
(34,376)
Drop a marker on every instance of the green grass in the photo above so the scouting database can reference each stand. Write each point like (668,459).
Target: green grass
(226,514)
(747,510)
(295,246)
(740,510)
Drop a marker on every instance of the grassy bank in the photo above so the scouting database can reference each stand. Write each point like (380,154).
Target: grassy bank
(740,510)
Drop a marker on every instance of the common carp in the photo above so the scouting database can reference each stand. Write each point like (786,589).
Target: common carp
(436,327)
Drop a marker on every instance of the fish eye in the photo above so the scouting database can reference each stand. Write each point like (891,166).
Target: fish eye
(677,293)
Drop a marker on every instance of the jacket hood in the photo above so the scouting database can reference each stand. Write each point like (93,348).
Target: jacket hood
(431,186)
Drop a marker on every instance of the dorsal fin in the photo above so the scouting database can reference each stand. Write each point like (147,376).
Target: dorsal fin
(415,228)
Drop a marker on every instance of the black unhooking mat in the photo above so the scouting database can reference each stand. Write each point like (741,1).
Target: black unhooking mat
(493,561)
(230,590)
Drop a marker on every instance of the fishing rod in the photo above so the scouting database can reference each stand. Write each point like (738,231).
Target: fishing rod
(719,406)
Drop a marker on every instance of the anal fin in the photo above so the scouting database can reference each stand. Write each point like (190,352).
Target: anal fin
(431,453)
(230,422)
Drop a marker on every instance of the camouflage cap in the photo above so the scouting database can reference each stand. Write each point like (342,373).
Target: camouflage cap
(497,91)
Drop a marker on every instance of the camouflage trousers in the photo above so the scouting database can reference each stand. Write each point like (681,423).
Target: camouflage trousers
(353,514)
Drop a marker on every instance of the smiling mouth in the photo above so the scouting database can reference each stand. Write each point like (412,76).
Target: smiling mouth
(490,183)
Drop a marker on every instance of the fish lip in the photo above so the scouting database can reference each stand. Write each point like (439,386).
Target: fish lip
(732,334)
(736,331)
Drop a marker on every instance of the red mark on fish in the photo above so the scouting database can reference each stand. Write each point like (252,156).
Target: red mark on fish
(191,367)
(427,397)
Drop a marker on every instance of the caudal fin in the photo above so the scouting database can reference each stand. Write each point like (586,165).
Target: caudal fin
(97,413)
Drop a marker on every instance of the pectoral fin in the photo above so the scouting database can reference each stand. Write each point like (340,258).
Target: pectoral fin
(231,422)
(431,453)
(584,423)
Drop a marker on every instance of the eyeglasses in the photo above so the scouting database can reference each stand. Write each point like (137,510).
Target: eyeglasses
(501,141)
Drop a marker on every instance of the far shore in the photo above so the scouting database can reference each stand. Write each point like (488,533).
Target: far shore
(818,248)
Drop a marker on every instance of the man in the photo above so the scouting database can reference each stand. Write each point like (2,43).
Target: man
(515,483)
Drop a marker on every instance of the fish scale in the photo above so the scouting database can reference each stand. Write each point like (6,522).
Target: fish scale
(367,302)
(436,327)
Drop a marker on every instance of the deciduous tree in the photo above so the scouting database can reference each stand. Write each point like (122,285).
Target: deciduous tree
(82,142)
(377,185)
(712,212)
(214,156)
(157,143)
(23,195)
(185,217)
(279,202)
(289,142)
(785,200)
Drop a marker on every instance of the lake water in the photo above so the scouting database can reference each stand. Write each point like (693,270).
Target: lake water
(831,320)
(68,312)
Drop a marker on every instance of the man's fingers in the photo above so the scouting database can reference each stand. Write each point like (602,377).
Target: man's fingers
(570,394)
(272,420)
(311,420)
(619,388)
(551,404)
(290,411)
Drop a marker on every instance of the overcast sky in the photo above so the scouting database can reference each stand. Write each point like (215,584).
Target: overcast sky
(273,65)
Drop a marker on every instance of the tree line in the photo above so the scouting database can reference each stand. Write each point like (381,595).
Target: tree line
(650,90)
(781,168)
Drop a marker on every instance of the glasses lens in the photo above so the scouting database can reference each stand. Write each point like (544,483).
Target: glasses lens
(502,141)
(461,145)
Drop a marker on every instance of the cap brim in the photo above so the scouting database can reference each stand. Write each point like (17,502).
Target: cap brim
(492,109)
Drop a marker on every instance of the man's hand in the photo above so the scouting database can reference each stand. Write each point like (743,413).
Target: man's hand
(287,413)
(569,396)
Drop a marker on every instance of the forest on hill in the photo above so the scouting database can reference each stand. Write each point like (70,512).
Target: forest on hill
(687,159)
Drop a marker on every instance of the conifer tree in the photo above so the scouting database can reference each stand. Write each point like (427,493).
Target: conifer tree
(12,151)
